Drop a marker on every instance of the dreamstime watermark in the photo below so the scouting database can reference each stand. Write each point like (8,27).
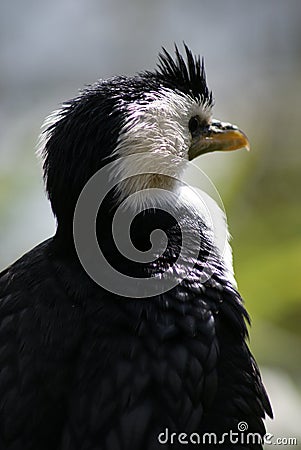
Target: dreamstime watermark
(241,437)
(90,203)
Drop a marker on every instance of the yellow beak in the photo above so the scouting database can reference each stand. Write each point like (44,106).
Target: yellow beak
(218,136)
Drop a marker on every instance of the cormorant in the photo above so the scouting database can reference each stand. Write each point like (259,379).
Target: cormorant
(112,364)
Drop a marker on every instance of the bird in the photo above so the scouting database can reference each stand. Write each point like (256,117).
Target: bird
(93,362)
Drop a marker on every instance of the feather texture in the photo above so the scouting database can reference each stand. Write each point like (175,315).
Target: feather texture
(82,368)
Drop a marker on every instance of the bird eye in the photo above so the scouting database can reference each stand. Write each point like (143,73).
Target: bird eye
(194,124)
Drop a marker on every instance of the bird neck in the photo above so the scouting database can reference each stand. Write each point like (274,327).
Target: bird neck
(168,237)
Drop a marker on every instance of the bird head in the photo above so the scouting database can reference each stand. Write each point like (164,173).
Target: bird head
(163,116)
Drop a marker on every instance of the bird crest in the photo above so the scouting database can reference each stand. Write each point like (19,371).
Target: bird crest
(184,74)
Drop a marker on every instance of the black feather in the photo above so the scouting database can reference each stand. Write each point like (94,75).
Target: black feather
(186,76)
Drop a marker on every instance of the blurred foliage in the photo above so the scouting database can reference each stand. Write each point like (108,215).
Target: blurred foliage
(263,208)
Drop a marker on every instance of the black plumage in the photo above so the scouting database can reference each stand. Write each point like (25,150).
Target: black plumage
(82,368)
(189,77)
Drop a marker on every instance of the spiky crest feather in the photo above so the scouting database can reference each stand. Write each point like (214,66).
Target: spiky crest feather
(187,76)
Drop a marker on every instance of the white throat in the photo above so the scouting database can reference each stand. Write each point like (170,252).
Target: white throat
(156,126)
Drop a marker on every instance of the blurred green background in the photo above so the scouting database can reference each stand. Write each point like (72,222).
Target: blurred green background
(252,52)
